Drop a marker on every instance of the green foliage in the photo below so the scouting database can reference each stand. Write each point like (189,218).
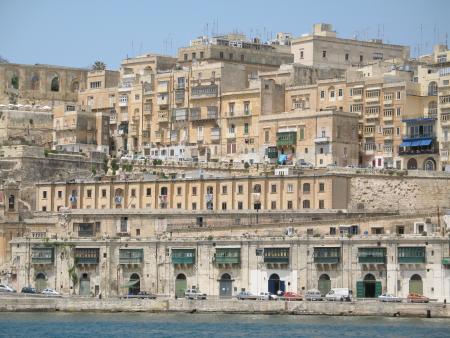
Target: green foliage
(157,161)
(114,166)
(94,171)
(73,276)
(98,65)
(246,165)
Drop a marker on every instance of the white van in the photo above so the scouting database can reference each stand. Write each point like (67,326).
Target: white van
(313,295)
(342,294)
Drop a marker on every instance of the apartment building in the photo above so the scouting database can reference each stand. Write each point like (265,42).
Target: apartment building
(323,48)
(78,129)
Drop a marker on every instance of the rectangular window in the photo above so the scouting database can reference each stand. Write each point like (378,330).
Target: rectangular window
(246,107)
(273,205)
(240,206)
(273,188)
(321,204)
(194,206)
(301,54)
(133,192)
(178,191)
(266,136)
(185,57)
(290,188)
(89,193)
(194,191)
(44,194)
(398,112)
(321,187)
(221,55)
(178,205)
(224,190)
(289,205)
(96,84)
(324,54)
(347,56)
(149,191)
(322,94)
(340,92)
(245,128)
(399,95)
(240,189)
(224,205)
(59,194)
(302,133)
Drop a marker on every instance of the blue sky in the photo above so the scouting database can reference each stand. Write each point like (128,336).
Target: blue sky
(78,32)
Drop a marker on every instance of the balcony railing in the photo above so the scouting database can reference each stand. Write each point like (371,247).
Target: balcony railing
(179,115)
(163,116)
(323,139)
(228,256)
(42,256)
(215,134)
(286,138)
(183,256)
(327,255)
(131,256)
(372,255)
(87,255)
(411,255)
(276,255)
(204,91)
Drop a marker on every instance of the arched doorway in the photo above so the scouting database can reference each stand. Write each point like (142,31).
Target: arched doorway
(41,282)
(180,285)
(85,285)
(275,284)
(324,284)
(412,164)
(416,284)
(369,286)
(429,165)
(225,286)
(134,284)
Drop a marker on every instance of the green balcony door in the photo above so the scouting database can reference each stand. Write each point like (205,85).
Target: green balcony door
(41,282)
(324,284)
(416,285)
(85,285)
(180,285)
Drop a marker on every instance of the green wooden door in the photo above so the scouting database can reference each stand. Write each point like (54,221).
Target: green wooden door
(416,286)
(360,289)
(180,287)
(324,286)
(41,284)
(85,287)
(378,289)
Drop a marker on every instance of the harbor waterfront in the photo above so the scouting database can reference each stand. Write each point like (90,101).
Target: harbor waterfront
(21,303)
(217,325)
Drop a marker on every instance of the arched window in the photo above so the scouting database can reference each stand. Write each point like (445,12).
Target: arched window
(15,81)
(163,191)
(11,202)
(209,190)
(75,86)
(432,108)
(432,88)
(54,86)
(412,164)
(306,187)
(306,204)
(429,164)
(257,188)
(35,82)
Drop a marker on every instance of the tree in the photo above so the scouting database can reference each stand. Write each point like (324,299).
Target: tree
(99,65)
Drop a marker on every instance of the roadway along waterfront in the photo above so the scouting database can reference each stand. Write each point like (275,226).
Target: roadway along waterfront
(214,325)
(14,303)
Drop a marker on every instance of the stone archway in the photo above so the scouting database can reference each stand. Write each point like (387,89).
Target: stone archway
(416,284)
(85,285)
(134,284)
(369,286)
(429,164)
(180,285)
(324,284)
(41,282)
(275,284)
(412,164)
(225,286)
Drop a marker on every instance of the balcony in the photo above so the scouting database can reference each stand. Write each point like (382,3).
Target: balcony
(125,87)
(411,255)
(183,256)
(113,119)
(179,95)
(227,256)
(163,87)
(131,256)
(158,136)
(286,138)
(446,261)
(276,255)
(323,139)
(231,134)
(179,115)
(123,103)
(174,136)
(86,256)
(327,255)
(205,91)
(417,146)
(163,116)
(196,114)
(372,255)
(370,148)
(42,256)
(239,114)
(162,100)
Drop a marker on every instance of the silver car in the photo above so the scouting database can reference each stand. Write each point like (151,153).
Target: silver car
(6,288)
(246,295)
(194,294)
(387,297)
(313,295)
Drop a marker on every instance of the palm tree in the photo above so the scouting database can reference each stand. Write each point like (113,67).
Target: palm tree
(99,65)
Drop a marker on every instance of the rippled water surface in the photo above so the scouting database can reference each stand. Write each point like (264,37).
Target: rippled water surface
(213,325)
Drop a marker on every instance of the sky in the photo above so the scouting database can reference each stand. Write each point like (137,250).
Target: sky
(76,33)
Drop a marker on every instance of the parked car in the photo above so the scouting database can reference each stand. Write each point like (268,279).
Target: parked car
(6,288)
(194,294)
(304,164)
(416,298)
(387,297)
(342,294)
(140,158)
(313,295)
(246,295)
(28,289)
(292,296)
(127,158)
(267,296)
(50,292)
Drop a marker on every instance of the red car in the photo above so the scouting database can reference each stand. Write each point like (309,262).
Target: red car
(292,296)
(416,298)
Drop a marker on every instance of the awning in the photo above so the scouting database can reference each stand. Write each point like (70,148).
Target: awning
(131,283)
(425,142)
(405,144)
(415,143)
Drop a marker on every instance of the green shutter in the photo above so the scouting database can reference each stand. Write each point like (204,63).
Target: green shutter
(360,289)
(377,289)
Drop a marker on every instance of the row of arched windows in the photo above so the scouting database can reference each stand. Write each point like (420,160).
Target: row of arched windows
(306,188)
(35,83)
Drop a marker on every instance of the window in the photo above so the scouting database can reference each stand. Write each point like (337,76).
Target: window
(398,95)
(194,206)
(89,193)
(240,189)
(322,94)
(137,97)
(148,191)
(321,187)
(193,56)
(398,111)
(230,56)
(321,204)
(324,53)
(138,232)
(185,57)
(340,92)
(301,54)
(242,57)
(302,133)
(245,128)
(289,205)
(246,107)
(202,54)
(290,188)
(306,150)
(240,206)
(306,204)
(54,86)
(59,194)
(321,150)
(221,55)
(178,205)
(95,84)
(133,192)
(44,194)
(361,58)
(306,187)
(273,188)
(266,136)
(178,191)
(347,56)
(224,205)
(257,188)
(194,191)
(224,190)
(273,205)
(43,208)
